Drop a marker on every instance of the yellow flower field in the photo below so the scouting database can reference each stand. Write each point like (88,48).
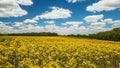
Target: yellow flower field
(58,52)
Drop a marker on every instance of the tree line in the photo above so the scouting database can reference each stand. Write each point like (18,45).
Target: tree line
(113,35)
(31,34)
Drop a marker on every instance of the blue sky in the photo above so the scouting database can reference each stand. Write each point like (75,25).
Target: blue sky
(60,16)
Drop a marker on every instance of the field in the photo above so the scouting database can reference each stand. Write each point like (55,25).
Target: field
(58,52)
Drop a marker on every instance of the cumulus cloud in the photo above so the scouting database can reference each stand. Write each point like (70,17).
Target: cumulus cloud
(25,2)
(62,30)
(56,13)
(11,8)
(18,24)
(109,21)
(65,30)
(104,5)
(5,28)
(70,27)
(29,28)
(93,18)
(74,23)
(30,21)
(50,22)
(116,23)
(98,24)
(74,1)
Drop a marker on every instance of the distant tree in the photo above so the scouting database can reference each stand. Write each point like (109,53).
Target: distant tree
(113,35)
(33,34)
(108,35)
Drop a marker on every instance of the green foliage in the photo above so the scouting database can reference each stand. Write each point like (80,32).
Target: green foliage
(31,34)
(113,35)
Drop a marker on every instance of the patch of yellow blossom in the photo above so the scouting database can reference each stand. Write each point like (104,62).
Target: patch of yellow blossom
(58,52)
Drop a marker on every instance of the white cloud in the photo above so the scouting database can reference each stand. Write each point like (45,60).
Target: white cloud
(96,27)
(91,29)
(28,28)
(62,30)
(74,23)
(109,21)
(74,1)
(93,18)
(5,28)
(116,23)
(104,5)
(25,2)
(50,28)
(11,8)
(56,13)
(37,28)
(49,22)
(30,21)
(98,24)
(36,17)
(17,24)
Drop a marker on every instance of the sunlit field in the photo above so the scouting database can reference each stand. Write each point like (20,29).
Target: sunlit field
(58,52)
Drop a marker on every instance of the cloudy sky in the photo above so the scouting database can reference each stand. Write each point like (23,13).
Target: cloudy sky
(60,16)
